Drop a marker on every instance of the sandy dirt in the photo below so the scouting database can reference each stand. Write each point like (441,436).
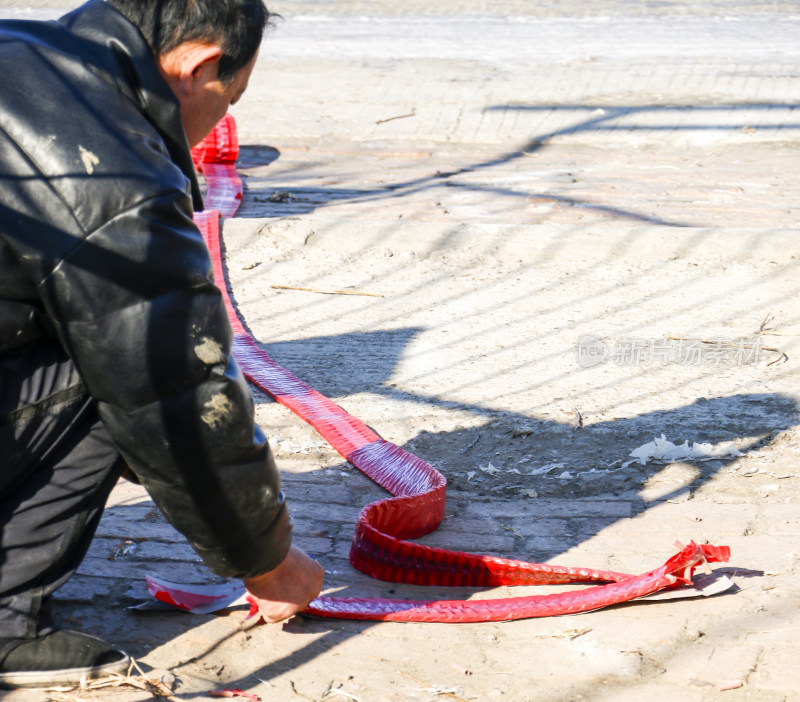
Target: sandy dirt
(569,228)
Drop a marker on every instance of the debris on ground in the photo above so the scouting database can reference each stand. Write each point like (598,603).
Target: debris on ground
(660,449)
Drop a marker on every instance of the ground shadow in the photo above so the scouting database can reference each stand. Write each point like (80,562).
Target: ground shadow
(345,364)
(287,199)
(750,418)
(753,419)
(594,455)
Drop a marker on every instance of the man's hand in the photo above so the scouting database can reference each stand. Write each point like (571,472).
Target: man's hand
(289,588)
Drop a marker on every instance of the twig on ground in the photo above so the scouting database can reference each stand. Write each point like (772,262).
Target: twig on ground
(238,692)
(772,331)
(783,357)
(434,689)
(154,687)
(445,692)
(565,634)
(300,694)
(391,119)
(336,691)
(326,292)
(475,441)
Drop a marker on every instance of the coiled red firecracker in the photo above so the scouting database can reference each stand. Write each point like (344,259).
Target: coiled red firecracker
(380,545)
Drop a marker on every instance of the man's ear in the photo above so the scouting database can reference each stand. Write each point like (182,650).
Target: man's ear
(188,65)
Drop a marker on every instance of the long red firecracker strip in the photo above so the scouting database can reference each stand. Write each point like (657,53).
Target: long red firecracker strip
(380,547)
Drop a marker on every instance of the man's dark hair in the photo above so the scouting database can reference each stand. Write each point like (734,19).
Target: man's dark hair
(237,26)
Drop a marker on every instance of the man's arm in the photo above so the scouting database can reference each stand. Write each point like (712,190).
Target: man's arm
(135,307)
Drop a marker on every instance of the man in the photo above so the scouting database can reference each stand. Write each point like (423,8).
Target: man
(114,345)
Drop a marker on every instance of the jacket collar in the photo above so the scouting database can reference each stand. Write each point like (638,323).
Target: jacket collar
(137,75)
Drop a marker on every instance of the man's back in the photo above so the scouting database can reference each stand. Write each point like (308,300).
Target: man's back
(80,142)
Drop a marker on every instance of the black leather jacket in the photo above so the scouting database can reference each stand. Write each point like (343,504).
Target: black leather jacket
(98,250)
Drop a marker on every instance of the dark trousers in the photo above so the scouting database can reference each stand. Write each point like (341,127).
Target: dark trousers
(57,468)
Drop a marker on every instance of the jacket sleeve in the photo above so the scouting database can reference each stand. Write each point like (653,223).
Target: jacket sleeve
(137,310)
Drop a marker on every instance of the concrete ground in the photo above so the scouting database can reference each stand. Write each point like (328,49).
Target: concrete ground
(577,223)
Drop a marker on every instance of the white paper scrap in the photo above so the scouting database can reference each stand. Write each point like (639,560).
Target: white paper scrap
(541,470)
(660,449)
